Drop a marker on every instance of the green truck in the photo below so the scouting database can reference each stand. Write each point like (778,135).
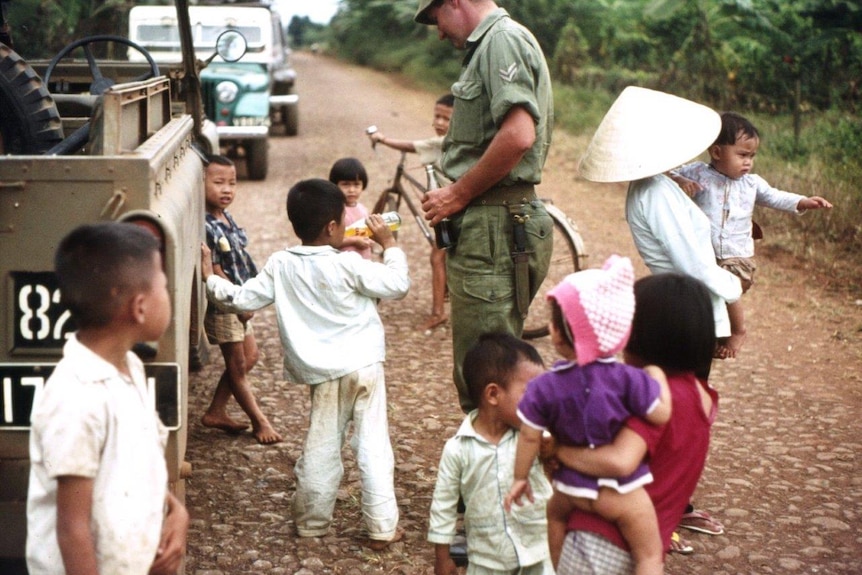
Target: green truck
(248,100)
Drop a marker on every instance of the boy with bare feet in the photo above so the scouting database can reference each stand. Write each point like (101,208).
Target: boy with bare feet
(232,332)
(727,191)
(333,342)
(430,151)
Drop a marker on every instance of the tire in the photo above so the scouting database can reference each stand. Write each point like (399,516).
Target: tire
(565,259)
(290,118)
(257,158)
(29,122)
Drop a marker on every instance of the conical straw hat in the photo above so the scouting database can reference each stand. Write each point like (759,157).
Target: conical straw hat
(646,133)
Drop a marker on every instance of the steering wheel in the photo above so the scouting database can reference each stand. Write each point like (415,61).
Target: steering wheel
(100,83)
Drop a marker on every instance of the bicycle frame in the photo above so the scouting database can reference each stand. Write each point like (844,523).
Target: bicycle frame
(397,190)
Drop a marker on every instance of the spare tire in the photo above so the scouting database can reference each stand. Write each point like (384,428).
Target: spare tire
(29,120)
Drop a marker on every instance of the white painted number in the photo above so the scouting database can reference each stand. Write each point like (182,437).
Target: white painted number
(7,400)
(37,383)
(29,313)
(61,321)
(40,313)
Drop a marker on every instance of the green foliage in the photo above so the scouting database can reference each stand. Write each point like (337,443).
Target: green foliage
(580,110)
(571,53)
(40,28)
(303,32)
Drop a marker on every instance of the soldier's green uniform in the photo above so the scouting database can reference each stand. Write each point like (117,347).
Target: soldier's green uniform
(504,67)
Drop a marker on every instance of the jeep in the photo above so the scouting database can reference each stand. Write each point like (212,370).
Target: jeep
(246,99)
(82,141)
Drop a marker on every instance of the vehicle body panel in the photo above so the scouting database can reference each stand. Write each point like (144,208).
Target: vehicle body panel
(143,163)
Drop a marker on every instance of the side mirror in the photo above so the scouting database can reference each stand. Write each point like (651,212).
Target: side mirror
(231,45)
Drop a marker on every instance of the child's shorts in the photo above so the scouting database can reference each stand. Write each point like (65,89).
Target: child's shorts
(743,268)
(225,328)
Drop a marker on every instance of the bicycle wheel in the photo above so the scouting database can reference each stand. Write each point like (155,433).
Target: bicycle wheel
(565,259)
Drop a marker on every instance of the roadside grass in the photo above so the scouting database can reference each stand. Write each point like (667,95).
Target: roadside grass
(826,163)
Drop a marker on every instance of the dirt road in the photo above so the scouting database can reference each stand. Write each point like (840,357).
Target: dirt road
(784,471)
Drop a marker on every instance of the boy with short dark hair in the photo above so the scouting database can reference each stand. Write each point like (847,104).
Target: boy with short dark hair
(333,339)
(430,151)
(98,481)
(727,191)
(477,465)
(232,332)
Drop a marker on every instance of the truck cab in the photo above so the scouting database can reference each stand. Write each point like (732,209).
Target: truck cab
(248,100)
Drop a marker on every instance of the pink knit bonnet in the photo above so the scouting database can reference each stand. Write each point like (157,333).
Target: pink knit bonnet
(598,306)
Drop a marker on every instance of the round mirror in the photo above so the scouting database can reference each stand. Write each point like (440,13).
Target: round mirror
(231,45)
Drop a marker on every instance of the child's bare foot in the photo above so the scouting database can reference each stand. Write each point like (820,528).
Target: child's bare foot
(728,347)
(434,321)
(734,343)
(380,545)
(266,435)
(223,422)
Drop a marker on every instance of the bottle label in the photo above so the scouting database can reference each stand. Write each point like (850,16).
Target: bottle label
(360,228)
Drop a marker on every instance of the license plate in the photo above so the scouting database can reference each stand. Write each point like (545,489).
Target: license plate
(39,323)
(251,121)
(19,383)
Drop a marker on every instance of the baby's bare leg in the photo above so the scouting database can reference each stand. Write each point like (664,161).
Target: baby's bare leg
(560,506)
(737,329)
(635,517)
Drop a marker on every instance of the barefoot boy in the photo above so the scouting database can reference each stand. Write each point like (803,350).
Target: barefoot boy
(430,151)
(326,306)
(98,481)
(232,332)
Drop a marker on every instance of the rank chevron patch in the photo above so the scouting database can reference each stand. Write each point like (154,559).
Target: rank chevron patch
(508,74)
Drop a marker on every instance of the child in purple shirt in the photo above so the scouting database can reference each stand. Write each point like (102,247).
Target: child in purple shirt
(585,400)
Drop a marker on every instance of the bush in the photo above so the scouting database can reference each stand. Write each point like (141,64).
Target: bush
(825,163)
(580,110)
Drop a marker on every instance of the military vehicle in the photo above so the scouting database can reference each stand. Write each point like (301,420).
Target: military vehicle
(248,100)
(83,140)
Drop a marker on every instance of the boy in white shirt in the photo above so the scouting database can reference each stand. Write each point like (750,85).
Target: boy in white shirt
(333,340)
(478,464)
(98,481)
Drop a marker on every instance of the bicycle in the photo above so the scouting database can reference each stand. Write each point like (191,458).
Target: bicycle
(568,250)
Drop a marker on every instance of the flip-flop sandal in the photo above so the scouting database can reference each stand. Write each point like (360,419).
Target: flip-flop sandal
(679,545)
(702,522)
